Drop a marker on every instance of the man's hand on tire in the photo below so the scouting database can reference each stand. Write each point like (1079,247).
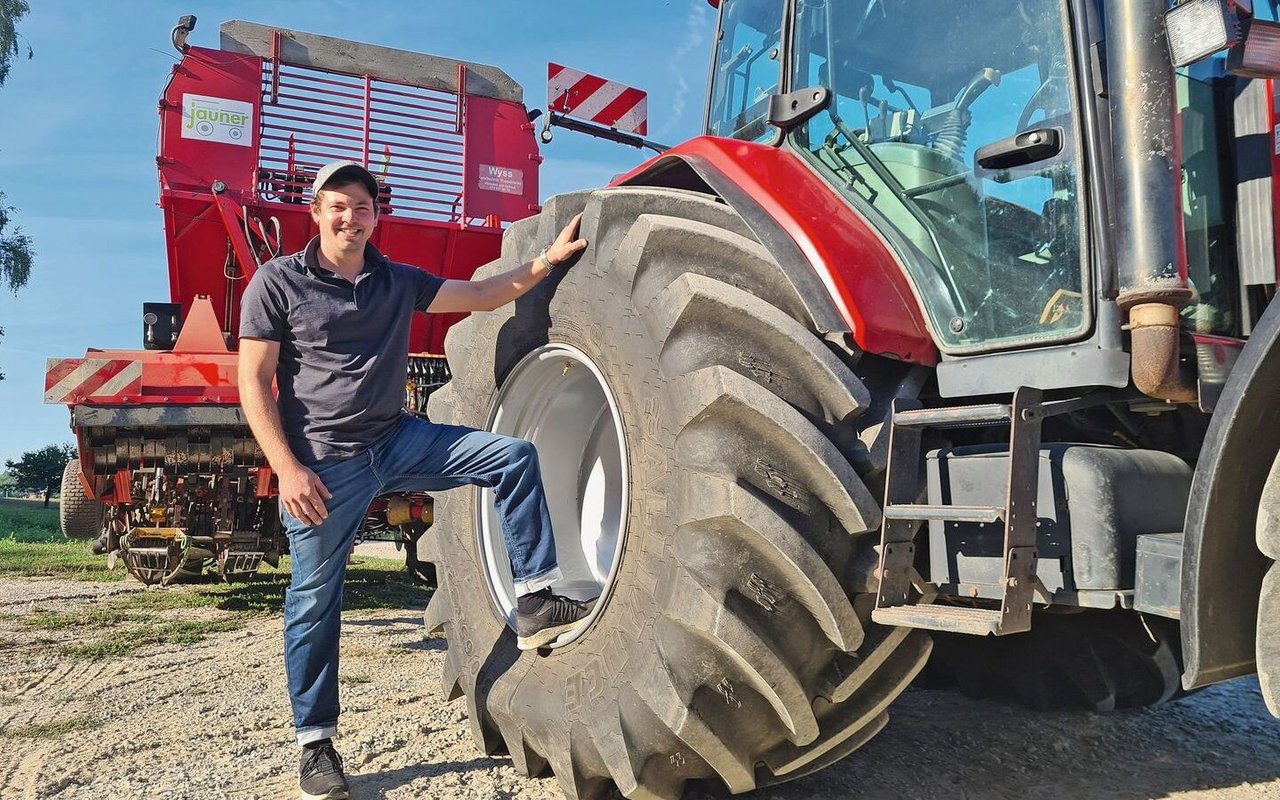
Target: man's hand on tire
(303,495)
(567,244)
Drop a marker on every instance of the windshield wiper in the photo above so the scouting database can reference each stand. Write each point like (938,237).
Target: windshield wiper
(853,176)
(899,191)
(882,172)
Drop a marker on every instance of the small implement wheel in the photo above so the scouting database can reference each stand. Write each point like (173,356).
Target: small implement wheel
(80,516)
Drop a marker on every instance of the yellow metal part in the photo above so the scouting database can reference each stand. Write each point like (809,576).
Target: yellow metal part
(157,533)
(398,512)
(157,515)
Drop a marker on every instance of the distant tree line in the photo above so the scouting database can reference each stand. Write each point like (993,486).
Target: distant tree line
(16,251)
(39,470)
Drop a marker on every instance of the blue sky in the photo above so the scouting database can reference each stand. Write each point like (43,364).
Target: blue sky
(78,135)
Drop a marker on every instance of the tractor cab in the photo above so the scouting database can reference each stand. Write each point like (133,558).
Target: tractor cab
(955,134)
(976,139)
(1079,197)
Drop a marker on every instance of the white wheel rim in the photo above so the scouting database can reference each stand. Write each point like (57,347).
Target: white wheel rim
(557,398)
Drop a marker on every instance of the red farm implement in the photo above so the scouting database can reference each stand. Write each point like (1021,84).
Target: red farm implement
(168,475)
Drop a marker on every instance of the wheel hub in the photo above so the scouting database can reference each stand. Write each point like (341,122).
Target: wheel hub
(557,398)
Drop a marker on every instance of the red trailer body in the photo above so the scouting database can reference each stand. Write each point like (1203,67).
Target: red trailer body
(243,130)
(433,152)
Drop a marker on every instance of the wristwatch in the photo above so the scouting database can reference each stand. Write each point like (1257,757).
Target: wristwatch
(546,259)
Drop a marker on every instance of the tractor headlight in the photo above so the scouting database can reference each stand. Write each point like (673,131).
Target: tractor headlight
(1199,28)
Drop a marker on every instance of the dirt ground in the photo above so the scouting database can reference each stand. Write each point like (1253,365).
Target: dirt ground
(211,720)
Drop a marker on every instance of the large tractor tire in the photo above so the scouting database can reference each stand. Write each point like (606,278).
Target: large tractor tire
(1267,643)
(697,438)
(1091,660)
(80,516)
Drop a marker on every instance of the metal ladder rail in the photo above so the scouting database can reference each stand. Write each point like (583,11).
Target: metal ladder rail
(902,518)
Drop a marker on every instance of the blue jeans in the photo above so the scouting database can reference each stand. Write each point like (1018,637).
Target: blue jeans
(417,456)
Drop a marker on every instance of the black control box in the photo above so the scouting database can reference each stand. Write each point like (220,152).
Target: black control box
(161,323)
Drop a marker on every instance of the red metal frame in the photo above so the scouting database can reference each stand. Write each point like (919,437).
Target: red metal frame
(866,282)
(440,210)
(236,195)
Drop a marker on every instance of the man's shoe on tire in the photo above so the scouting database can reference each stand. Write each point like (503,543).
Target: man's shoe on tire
(543,616)
(320,774)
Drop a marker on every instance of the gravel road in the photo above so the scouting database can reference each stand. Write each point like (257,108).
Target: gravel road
(211,720)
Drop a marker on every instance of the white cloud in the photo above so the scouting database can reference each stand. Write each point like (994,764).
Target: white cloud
(697,23)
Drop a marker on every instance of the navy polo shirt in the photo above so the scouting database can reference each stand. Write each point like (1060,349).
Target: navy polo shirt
(343,346)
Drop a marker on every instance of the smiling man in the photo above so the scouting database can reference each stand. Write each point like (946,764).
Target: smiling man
(330,325)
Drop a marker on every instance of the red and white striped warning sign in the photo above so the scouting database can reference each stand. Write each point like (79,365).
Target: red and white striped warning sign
(74,380)
(578,94)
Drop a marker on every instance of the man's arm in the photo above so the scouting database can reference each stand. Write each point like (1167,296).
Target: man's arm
(498,290)
(301,492)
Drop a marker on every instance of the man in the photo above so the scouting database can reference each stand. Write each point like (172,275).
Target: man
(331,325)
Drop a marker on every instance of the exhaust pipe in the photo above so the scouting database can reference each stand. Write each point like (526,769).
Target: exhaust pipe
(1153,337)
(1150,269)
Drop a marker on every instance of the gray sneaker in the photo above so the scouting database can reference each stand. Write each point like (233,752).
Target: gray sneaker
(542,616)
(320,774)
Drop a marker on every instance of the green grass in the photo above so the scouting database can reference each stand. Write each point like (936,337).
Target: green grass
(168,599)
(31,543)
(351,679)
(118,626)
(127,642)
(29,521)
(72,560)
(53,730)
(371,583)
(98,617)
(121,625)
(64,559)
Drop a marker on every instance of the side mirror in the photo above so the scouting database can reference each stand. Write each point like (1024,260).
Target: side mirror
(786,111)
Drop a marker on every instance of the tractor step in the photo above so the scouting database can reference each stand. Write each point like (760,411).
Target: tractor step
(945,513)
(953,619)
(901,589)
(990,414)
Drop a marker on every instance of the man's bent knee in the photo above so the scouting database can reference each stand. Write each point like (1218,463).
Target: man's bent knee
(522,451)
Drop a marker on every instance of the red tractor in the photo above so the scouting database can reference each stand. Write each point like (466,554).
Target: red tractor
(169,477)
(953,334)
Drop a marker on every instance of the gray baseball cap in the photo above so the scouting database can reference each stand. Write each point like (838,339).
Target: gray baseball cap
(345,169)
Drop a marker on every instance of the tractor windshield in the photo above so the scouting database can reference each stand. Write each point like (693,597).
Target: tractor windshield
(747,69)
(925,93)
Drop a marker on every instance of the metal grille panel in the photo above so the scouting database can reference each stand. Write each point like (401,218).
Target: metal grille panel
(406,136)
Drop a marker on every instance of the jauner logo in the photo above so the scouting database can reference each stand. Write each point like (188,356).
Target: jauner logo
(217,119)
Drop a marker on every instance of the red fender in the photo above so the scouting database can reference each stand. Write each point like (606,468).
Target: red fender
(771,187)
